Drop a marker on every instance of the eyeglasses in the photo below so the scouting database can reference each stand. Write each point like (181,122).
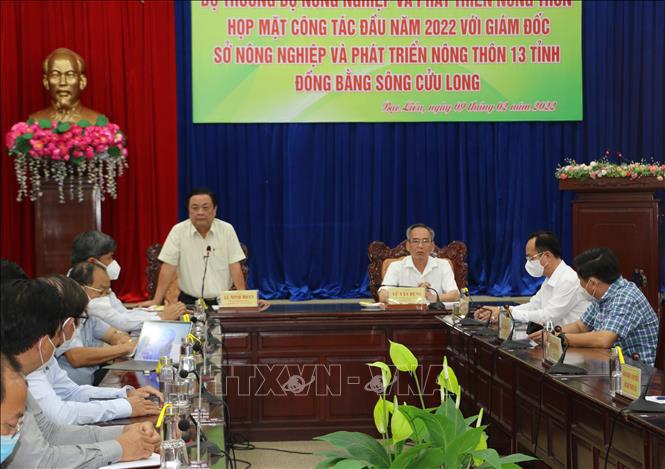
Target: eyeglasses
(82,319)
(535,256)
(102,291)
(14,429)
(420,242)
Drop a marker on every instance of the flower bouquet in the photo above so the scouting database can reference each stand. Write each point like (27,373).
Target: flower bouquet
(603,168)
(67,153)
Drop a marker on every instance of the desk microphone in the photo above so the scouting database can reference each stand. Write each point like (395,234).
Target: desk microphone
(435,305)
(205,268)
(560,368)
(509,343)
(486,331)
(641,405)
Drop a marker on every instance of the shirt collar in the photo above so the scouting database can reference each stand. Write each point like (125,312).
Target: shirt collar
(617,285)
(556,275)
(429,266)
(193,231)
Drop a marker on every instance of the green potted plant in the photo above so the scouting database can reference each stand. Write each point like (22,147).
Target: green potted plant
(417,437)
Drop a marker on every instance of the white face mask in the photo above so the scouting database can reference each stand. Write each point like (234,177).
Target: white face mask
(589,296)
(535,268)
(65,341)
(41,356)
(113,270)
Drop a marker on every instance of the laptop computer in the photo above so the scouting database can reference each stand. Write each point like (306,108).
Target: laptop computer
(157,339)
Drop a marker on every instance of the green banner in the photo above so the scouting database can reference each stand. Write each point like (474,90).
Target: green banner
(386,60)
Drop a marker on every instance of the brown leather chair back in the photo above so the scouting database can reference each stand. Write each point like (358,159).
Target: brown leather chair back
(381,256)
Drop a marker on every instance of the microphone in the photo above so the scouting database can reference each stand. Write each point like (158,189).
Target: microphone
(486,331)
(205,267)
(560,368)
(436,305)
(509,343)
(641,405)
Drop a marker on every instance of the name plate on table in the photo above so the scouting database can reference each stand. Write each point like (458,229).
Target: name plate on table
(553,348)
(407,298)
(505,325)
(631,381)
(239,299)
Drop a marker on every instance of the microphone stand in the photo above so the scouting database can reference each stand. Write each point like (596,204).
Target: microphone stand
(183,375)
(560,368)
(486,331)
(205,269)
(509,343)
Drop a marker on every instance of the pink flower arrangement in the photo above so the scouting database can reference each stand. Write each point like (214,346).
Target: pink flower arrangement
(61,149)
(603,168)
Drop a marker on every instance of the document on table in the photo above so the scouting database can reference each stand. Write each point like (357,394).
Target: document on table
(152,461)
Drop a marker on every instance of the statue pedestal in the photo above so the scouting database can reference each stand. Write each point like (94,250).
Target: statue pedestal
(56,226)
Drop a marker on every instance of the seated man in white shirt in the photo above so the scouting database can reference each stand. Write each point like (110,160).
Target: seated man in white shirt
(559,299)
(64,401)
(83,355)
(420,269)
(99,248)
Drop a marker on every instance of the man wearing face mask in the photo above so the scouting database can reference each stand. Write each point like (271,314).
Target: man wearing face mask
(99,248)
(62,400)
(13,393)
(31,312)
(619,313)
(81,358)
(559,299)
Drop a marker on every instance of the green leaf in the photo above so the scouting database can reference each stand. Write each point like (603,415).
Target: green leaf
(22,144)
(328,463)
(400,427)
(83,123)
(386,375)
(30,121)
(360,446)
(447,379)
(481,446)
(405,459)
(487,457)
(462,445)
(517,457)
(114,152)
(101,121)
(382,411)
(44,123)
(402,357)
(350,464)
(330,453)
(63,127)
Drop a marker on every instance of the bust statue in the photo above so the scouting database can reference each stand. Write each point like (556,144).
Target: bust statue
(64,79)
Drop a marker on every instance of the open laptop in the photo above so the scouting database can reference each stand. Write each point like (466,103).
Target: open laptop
(157,339)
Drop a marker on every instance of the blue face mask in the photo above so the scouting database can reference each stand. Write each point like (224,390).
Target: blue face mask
(8,445)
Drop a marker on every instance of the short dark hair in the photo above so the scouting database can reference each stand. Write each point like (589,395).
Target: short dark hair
(546,241)
(598,262)
(10,271)
(91,244)
(73,297)
(419,225)
(29,309)
(202,191)
(7,363)
(82,272)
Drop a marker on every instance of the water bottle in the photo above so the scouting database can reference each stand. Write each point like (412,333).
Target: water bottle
(167,375)
(615,371)
(464,302)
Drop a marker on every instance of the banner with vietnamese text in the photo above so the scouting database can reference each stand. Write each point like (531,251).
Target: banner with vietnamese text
(386,60)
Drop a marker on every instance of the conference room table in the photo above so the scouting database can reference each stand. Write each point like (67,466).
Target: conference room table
(213,427)
(298,371)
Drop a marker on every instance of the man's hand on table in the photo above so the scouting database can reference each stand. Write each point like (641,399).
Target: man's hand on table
(173,311)
(120,337)
(142,406)
(263,305)
(146,391)
(483,313)
(136,442)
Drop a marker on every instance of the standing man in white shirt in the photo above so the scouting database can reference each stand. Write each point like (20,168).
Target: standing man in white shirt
(559,299)
(420,269)
(188,245)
